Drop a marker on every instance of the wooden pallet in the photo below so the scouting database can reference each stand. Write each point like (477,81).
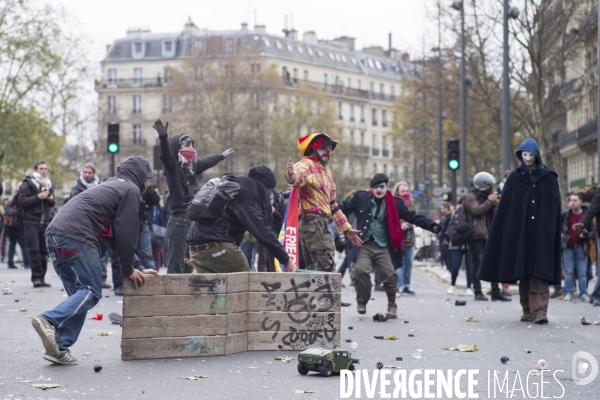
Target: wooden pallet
(192,315)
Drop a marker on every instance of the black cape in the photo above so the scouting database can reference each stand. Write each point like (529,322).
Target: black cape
(524,238)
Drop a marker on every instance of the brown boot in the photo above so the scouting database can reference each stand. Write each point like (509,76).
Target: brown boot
(361,308)
(392,310)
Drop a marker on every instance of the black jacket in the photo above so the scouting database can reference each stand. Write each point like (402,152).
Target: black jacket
(360,204)
(148,200)
(107,215)
(249,211)
(566,230)
(35,211)
(181,181)
(593,211)
(524,239)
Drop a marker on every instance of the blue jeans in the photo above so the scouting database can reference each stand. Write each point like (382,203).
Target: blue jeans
(250,250)
(78,266)
(144,248)
(12,244)
(177,230)
(457,256)
(575,260)
(407,262)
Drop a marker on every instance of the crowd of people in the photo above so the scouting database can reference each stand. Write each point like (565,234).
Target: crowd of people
(516,233)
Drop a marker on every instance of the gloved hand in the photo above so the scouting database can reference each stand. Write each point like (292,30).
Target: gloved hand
(160,128)
(227,153)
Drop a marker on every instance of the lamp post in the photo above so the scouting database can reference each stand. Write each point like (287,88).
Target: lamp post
(439,84)
(512,12)
(598,116)
(459,6)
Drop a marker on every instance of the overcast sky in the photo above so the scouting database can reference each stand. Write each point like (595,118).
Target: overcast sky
(368,21)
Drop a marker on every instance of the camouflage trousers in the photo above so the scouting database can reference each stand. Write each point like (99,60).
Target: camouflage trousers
(317,242)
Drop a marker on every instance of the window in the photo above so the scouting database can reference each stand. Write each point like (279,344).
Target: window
(374,117)
(393,91)
(137,50)
(338,57)
(352,137)
(378,65)
(166,75)
(310,51)
(384,118)
(374,168)
(197,47)
(324,81)
(137,76)
(266,42)
(112,105)
(137,104)
(349,82)
(351,112)
(228,70)
(374,141)
(289,47)
(228,46)
(278,44)
(381,89)
(362,138)
(344,58)
(255,98)
(295,75)
(362,113)
(383,143)
(168,46)
(370,62)
(166,104)
(359,85)
(305,75)
(137,134)
(385,169)
(112,76)
(300,49)
(340,116)
(319,53)
(331,56)
(372,87)
(286,75)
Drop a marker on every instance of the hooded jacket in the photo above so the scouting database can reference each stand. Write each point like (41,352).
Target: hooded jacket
(107,215)
(250,211)
(525,236)
(34,210)
(81,186)
(531,146)
(182,181)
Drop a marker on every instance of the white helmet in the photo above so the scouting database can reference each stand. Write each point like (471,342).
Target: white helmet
(482,179)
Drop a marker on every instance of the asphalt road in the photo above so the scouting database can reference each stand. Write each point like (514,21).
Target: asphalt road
(432,318)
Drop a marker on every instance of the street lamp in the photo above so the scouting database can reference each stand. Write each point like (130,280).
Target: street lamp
(459,6)
(512,12)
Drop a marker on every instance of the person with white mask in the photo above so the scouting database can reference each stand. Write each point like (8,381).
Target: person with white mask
(378,215)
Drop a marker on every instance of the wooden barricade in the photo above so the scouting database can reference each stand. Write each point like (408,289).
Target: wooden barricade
(192,315)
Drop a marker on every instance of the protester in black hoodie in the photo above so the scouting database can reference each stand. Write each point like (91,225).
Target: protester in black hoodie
(214,246)
(101,217)
(180,168)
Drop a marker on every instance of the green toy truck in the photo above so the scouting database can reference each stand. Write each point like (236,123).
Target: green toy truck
(325,361)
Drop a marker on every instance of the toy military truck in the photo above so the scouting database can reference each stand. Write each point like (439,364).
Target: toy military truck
(325,361)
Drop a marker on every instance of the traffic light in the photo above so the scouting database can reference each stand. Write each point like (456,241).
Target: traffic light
(112,141)
(453,154)
(447,197)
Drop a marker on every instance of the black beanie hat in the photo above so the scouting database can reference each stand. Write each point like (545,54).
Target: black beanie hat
(264,175)
(379,178)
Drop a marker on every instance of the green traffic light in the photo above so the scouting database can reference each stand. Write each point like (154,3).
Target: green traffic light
(453,164)
(113,148)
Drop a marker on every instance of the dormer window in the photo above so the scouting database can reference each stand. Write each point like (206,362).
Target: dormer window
(168,48)
(138,49)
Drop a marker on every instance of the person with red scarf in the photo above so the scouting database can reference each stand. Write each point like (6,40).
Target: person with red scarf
(378,215)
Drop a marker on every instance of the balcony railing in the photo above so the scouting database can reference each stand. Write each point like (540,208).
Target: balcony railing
(375,152)
(385,153)
(131,83)
(359,150)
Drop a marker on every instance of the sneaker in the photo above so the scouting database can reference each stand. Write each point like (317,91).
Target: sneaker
(468,292)
(500,297)
(450,290)
(361,308)
(568,297)
(44,284)
(596,303)
(407,290)
(47,333)
(480,297)
(106,286)
(37,284)
(526,318)
(392,310)
(586,298)
(540,319)
(119,291)
(63,358)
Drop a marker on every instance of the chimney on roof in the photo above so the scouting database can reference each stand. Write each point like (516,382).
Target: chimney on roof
(260,28)
(244,26)
(310,37)
(390,42)
(405,57)
(343,42)
(190,28)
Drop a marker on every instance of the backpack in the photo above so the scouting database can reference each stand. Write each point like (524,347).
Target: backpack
(459,231)
(210,202)
(11,217)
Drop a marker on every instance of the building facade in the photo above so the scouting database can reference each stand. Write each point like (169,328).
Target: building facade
(362,83)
